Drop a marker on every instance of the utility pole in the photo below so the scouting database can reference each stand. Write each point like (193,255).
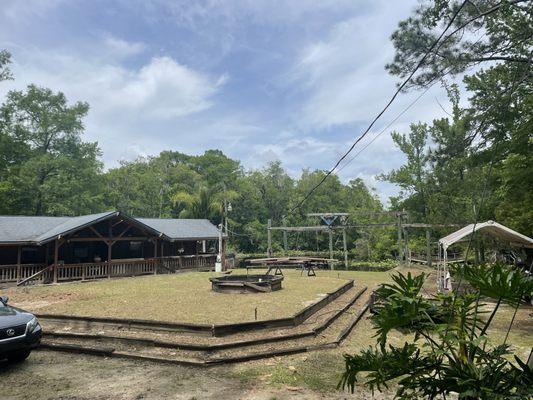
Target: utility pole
(218,264)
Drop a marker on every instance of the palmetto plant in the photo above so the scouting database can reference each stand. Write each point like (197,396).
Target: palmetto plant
(449,353)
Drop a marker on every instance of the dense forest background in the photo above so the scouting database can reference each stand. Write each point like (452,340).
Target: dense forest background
(474,163)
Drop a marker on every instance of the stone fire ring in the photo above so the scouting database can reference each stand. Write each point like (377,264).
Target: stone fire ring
(246,283)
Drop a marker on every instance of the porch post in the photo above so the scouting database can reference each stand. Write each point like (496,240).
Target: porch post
(109,257)
(19,251)
(204,246)
(109,248)
(161,261)
(56,256)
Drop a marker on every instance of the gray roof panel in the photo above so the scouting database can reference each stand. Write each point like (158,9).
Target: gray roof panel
(20,228)
(176,229)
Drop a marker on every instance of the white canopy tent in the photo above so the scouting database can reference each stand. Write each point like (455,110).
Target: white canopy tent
(492,228)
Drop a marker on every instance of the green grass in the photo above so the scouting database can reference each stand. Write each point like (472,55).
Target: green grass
(183,297)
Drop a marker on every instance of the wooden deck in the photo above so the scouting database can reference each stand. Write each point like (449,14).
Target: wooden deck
(40,273)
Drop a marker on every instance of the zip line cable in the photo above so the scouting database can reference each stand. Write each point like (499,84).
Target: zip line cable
(386,127)
(391,100)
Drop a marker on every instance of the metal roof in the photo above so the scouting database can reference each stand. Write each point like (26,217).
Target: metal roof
(17,229)
(491,227)
(179,229)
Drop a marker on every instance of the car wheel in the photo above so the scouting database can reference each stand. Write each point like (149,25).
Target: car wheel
(18,356)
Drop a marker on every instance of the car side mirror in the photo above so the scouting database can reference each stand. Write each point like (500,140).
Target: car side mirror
(4,299)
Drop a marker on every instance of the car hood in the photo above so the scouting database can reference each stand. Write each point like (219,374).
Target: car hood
(11,316)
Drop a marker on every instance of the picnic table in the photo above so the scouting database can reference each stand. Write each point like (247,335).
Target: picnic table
(305,264)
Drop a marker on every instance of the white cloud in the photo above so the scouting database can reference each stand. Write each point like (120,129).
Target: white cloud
(164,89)
(120,48)
(133,111)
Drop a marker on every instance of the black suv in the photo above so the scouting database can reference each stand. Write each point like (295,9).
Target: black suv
(20,332)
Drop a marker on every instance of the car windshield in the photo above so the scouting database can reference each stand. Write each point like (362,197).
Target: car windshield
(2,305)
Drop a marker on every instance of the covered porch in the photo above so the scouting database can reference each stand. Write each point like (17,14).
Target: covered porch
(99,246)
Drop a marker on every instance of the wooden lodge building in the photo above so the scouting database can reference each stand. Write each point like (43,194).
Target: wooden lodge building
(110,244)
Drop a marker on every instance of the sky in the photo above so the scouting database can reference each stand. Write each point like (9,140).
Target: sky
(262,80)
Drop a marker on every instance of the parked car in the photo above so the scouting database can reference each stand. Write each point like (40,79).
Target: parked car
(20,332)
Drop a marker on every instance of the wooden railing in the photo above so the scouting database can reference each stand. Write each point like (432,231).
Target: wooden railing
(39,273)
(16,273)
(203,261)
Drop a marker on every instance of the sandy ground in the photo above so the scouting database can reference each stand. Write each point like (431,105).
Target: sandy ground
(52,375)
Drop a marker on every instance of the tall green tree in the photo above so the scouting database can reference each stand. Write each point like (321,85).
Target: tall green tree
(484,31)
(47,168)
(413,176)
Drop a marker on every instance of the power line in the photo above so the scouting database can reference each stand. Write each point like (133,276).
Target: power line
(387,127)
(400,88)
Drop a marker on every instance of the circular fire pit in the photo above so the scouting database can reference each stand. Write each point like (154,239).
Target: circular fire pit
(246,283)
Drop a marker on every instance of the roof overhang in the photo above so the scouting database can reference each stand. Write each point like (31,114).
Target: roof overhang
(111,214)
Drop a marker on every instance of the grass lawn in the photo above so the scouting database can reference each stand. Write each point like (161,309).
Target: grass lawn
(183,297)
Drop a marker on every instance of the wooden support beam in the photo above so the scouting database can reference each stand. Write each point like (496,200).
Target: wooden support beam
(109,248)
(331,247)
(19,257)
(325,228)
(355,226)
(345,248)
(109,239)
(124,231)
(56,256)
(92,228)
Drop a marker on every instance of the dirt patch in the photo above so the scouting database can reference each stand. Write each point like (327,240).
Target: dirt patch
(49,375)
